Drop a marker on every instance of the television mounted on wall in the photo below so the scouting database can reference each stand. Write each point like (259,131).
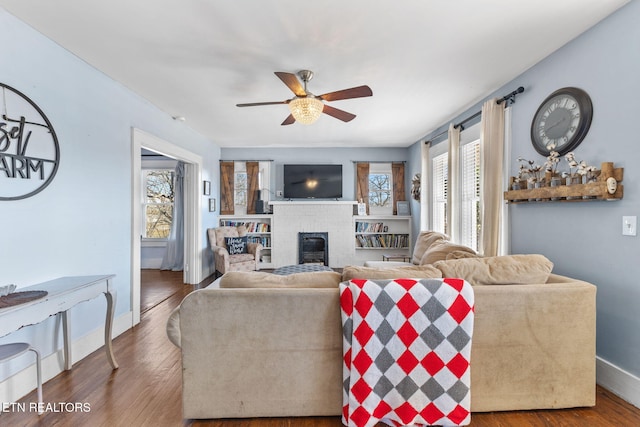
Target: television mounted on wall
(312,181)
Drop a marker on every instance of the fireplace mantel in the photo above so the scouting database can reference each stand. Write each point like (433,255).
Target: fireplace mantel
(312,202)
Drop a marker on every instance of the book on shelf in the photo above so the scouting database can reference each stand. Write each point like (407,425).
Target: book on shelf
(369,227)
(263,240)
(392,241)
(252,227)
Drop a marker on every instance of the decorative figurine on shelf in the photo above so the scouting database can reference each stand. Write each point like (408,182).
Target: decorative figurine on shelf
(415,187)
(612,185)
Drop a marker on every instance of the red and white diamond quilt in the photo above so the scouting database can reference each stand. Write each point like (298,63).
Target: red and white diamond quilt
(406,348)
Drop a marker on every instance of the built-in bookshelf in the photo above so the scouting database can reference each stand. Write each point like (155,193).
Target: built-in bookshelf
(390,233)
(258,231)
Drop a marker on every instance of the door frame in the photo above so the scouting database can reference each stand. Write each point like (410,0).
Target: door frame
(192,213)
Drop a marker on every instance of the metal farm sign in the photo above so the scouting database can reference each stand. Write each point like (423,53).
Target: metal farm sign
(29,151)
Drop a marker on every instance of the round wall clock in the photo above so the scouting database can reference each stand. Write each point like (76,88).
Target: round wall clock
(562,121)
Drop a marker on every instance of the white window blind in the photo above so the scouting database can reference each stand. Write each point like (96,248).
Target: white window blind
(439,192)
(470,194)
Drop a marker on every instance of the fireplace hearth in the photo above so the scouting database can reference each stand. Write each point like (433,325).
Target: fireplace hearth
(313,248)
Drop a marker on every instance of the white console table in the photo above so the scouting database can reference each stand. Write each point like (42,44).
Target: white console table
(63,293)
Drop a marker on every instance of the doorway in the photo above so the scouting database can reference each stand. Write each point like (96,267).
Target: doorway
(192,214)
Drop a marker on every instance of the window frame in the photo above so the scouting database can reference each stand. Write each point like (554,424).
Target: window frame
(382,168)
(264,183)
(146,168)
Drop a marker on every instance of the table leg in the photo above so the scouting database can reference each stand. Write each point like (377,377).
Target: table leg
(108,324)
(66,336)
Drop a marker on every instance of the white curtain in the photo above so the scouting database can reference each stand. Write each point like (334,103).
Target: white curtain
(453,186)
(504,245)
(174,256)
(492,139)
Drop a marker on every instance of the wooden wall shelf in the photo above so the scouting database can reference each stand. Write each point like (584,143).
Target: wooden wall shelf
(573,193)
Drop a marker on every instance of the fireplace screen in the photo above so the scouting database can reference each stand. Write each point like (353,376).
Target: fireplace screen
(313,248)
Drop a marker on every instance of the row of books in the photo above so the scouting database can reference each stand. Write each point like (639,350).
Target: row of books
(252,227)
(370,227)
(265,241)
(382,240)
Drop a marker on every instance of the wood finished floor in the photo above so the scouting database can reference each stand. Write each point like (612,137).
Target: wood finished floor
(146,389)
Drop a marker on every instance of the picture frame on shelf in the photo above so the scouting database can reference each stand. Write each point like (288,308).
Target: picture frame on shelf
(403,209)
(207,188)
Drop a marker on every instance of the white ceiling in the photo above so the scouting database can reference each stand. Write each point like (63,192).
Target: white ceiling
(425,60)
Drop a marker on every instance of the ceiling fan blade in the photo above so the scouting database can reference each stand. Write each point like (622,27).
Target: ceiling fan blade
(338,114)
(288,121)
(354,92)
(292,82)
(255,104)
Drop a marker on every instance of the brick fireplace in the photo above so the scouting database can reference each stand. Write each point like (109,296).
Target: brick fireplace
(335,218)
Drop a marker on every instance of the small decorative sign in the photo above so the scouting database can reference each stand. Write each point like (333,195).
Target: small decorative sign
(29,150)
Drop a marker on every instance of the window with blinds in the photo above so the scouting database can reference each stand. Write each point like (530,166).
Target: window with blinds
(470,194)
(468,214)
(439,193)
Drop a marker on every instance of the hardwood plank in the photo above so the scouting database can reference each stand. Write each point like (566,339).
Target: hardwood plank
(146,390)
(156,286)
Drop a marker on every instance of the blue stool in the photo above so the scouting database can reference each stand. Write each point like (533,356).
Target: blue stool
(11,351)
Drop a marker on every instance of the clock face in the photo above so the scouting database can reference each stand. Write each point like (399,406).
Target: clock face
(562,121)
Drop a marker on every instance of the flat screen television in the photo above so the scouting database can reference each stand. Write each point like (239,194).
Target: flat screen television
(312,181)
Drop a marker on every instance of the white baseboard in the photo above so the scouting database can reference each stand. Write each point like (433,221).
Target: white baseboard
(22,383)
(151,263)
(618,381)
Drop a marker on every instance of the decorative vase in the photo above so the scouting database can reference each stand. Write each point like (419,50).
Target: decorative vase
(587,180)
(538,184)
(573,180)
(530,186)
(556,182)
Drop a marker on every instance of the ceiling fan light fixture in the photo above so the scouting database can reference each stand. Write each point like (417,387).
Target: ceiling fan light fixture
(306,110)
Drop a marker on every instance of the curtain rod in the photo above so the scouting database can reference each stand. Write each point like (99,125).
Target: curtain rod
(509,99)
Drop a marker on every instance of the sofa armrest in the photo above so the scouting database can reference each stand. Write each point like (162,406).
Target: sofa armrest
(534,346)
(221,252)
(254,249)
(173,327)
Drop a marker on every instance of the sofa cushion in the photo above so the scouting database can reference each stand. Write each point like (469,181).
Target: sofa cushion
(443,250)
(424,241)
(240,258)
(499,270)
(414,271)
(258,279)
(387,264)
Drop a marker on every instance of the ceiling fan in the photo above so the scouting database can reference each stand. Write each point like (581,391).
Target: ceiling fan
(306,107)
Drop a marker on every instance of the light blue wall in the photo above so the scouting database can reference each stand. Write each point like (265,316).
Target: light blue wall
(584,240)
(343,156)
(81,223)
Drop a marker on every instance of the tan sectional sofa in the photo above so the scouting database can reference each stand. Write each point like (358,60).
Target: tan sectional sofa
(253,351)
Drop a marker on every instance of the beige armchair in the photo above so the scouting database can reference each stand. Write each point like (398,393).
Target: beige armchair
(238,262)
